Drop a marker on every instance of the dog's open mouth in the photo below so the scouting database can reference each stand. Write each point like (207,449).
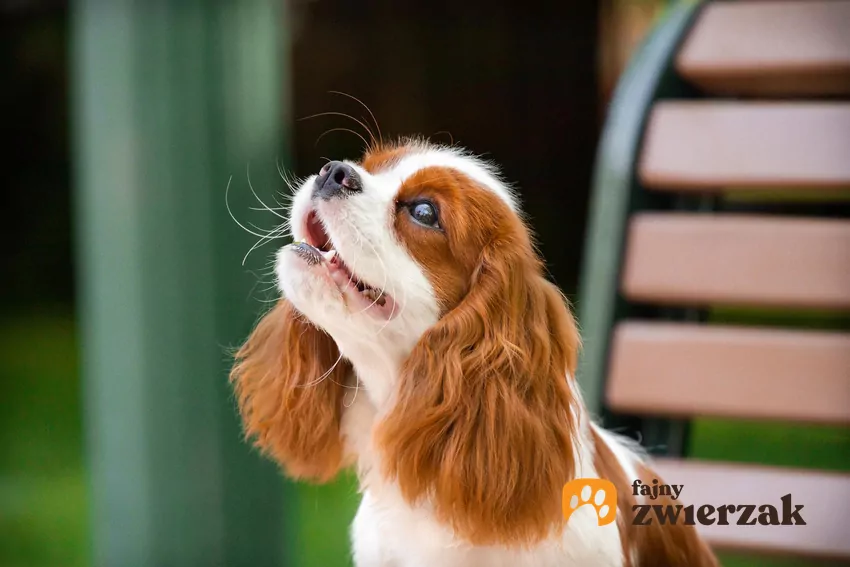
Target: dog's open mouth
(319,248)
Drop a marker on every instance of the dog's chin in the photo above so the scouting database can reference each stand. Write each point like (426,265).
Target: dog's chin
(323,294)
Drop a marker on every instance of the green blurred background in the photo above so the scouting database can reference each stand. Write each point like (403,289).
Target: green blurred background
(528,84)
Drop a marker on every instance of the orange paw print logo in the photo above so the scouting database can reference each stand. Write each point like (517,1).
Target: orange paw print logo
(599,493)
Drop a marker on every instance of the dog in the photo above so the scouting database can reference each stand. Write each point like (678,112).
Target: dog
(418,341)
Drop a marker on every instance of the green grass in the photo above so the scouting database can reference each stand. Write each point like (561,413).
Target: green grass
(325,514)
(801,194)
(42,520)
(803,319)
(777,444)
(43,495)
(731,560)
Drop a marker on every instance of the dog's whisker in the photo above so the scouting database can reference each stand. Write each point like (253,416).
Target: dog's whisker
(280,208)
(274,236)
(326,132)
(257,197)
(281,171)
(369,110)
(292,181)
(356,388)
(259,281)
(451,138)
(230,212)
(284,209)
(268,233)
(344,115)
(323,376)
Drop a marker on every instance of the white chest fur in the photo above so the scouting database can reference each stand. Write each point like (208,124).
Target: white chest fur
(387,532)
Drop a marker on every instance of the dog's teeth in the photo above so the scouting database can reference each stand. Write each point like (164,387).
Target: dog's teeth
(375,296)
(329,255)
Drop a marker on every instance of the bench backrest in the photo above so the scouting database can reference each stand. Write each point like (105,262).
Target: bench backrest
(722,181)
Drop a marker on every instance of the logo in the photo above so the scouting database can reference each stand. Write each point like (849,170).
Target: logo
(599,493)
(788,514)
(602,496)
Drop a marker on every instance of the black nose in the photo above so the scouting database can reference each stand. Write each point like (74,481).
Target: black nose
(336,179)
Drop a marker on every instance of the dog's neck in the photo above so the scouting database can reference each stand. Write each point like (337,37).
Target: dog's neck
(377,360)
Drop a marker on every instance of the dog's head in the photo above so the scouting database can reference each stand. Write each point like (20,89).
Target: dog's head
(413,267)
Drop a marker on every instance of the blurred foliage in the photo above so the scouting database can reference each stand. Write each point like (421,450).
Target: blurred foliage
(325,514)
(770,443)
(43,508)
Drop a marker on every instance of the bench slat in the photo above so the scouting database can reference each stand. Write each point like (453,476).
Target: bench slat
(769,48)
(739,260)
(702,146)
(823,496)
(681,370)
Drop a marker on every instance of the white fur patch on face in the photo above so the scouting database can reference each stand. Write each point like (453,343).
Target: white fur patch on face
(476,169)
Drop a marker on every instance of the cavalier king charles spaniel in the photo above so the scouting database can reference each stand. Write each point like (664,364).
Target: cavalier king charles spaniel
(419,341)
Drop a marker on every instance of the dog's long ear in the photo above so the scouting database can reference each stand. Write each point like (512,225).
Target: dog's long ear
(483,422)
(288,379)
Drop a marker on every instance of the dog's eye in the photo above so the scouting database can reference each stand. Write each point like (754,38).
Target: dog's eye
(425,213)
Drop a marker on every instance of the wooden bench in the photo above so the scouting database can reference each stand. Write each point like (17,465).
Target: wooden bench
(779,47)
(722,180)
